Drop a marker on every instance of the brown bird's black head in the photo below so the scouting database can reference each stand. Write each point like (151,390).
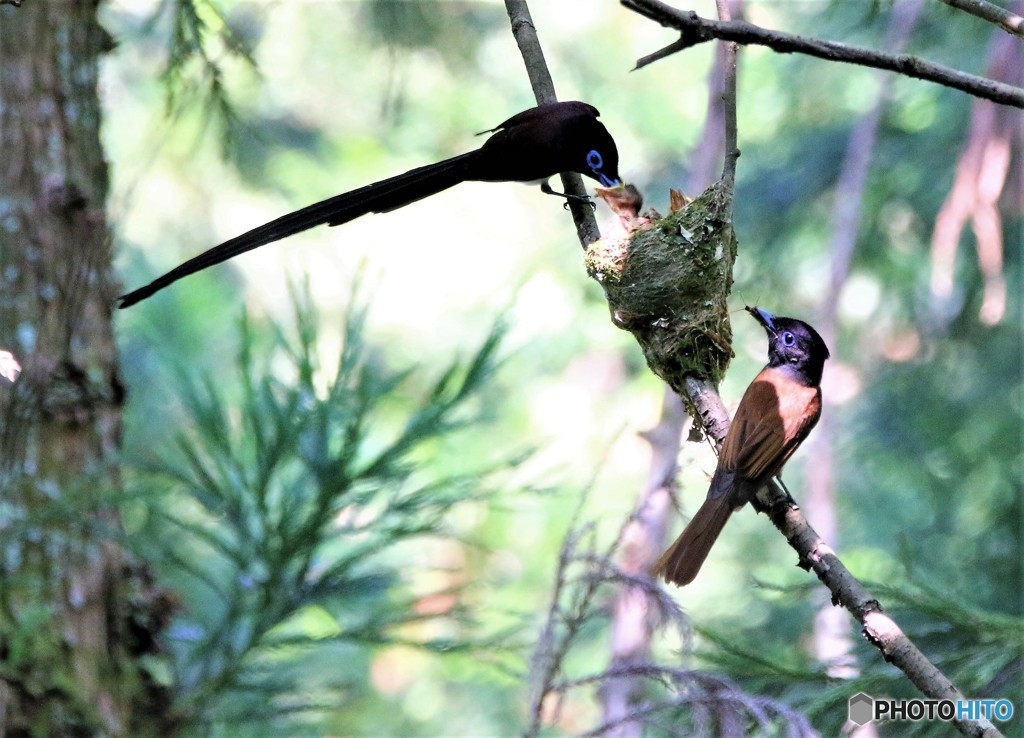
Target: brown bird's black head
(793,346)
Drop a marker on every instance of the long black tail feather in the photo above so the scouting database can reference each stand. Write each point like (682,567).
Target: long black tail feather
(379,197)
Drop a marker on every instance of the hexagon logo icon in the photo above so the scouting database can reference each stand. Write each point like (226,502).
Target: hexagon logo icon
(861,708)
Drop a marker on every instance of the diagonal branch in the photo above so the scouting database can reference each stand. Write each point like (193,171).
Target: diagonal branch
(1006,19)
(696,30)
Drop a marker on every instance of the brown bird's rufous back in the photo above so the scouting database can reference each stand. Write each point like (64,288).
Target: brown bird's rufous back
(778,410)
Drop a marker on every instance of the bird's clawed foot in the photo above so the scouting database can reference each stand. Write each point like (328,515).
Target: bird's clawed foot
(582,199)
(789,497)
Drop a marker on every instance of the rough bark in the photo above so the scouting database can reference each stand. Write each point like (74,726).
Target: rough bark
(69,600)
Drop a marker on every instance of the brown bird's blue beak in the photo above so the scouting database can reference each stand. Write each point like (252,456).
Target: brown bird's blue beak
(763,317)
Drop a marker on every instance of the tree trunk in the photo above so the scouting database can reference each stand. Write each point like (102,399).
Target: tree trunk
(70,605)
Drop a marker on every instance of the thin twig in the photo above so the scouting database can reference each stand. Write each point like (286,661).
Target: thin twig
(1005,19)
(692,688)
(697,30)
(575,602)
(550,649)
(732,150)
(525,34)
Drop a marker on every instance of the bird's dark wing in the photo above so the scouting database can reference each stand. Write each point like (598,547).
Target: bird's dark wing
(547,140)
(773,418)
(550,111)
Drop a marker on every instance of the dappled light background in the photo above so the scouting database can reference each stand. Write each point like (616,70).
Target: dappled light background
(923,396)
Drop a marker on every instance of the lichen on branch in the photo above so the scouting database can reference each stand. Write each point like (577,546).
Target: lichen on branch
(667,284)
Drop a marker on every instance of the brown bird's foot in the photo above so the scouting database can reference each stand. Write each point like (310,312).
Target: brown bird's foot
(789,497)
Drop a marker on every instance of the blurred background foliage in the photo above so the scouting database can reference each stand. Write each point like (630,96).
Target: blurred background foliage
(292,102)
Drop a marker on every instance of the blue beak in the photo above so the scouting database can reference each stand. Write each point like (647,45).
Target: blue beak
(763,317)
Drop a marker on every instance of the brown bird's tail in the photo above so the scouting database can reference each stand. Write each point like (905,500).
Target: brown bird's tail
(683,559)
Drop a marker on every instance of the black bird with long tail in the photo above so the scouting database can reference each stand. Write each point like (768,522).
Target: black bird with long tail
(531,146)
(780,407)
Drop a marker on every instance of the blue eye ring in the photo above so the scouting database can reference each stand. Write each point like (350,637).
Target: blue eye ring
(788,339)
(594,159)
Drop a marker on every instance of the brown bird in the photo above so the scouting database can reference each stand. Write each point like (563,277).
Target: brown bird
(778,410)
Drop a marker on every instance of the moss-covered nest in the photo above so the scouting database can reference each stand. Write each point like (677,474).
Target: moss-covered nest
(668,284)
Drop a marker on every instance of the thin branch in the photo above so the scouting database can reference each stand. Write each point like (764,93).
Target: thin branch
(696,30)
(1005,19)
(551,647)
(575,602)
(732,151)
(694,689)
(879,628)
(525,34)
